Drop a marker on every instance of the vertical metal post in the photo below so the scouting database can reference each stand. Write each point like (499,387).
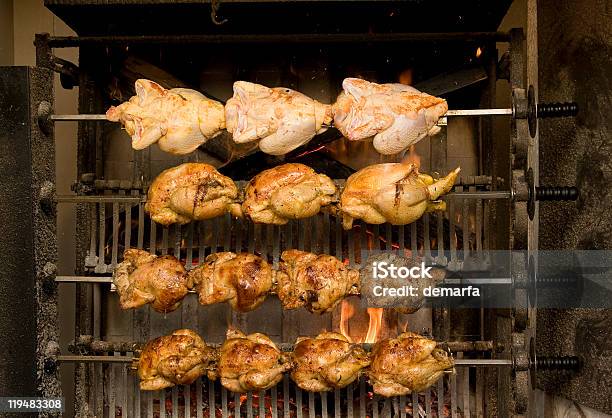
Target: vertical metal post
(27,168)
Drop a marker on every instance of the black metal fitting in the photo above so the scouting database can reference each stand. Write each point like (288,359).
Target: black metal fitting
(572,363)
(547,193)
(557,110)
(50,365)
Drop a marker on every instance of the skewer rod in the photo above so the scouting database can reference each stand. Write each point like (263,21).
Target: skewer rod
(450,113)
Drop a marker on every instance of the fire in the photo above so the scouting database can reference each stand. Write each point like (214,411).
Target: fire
(375,326)
(478,52)
(412,157)
(346,312)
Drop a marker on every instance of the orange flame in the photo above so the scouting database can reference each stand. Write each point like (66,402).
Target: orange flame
(412,157)
(375,326)
(346,312)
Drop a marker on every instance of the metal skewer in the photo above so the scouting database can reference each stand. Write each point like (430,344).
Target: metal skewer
(450,113)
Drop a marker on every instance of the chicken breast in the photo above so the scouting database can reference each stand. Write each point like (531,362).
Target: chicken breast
(279,118)
(191,191)
(394,115)
(175,359)
(288,191)
(327,362)
(394,192)
(144,278)
(316,282)
(250,362)
(408,363)
(179,120)
(243,280)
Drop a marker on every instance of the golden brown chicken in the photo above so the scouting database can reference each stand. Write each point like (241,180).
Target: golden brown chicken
(316,282)
(327,362)
(191,191)
(250,362)
(179,120)
(279,118)
(146,278)
(394,192)
(175,359)
(394,115)
(408,363)
(288,191)
(242,279)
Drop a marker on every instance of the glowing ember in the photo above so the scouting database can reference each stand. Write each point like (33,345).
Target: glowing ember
(375,326)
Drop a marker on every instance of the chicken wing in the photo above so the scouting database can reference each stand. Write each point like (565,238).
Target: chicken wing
(396,115)
(179,120)
(176,359)
(280,118)
(316,282)
(251,362)
(394,192)
(327,362)
(146,278)
(242,279)
(288,191)
(191,191)
(408,363)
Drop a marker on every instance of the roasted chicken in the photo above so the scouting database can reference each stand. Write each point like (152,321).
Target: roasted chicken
(288,191)
(395,115)
(179,120)
(394,192)
(408,363)
(241,279)
(316,282)
(279,118)
(250,362)
(191,191)
(327,362)
(146,278)
(176,359)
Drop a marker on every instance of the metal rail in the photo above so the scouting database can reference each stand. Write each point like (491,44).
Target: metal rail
(328,38)
(450,113)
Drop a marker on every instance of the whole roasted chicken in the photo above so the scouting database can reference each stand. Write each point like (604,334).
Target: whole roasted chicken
(175,359)
(327,362)
(146,278)
(279,118)
(288,191)
(394,192)
(250,362)
(395,115)
(316,282)
(179,120)
(241,279)
(408,363)
(191,191)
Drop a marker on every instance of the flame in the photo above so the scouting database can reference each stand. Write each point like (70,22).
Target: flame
(375,326)
(412,157)
(478,52)
(346,312)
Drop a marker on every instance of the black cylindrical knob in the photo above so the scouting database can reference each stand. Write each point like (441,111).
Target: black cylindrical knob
(556,193)
(556,110)
(558,363)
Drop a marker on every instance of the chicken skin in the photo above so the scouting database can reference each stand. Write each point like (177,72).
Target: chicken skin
(176,359)
(146,278)
(288,191)
(179,120)
(395,115)
(408,363)
(279,118)
(191,191)
(316,282)
(251,362)
(327,362)
(242,279)
(394,192)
